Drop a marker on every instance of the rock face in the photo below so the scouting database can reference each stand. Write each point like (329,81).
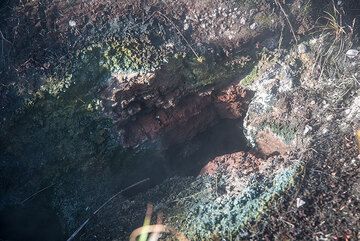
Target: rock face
(230,190)
(149,107)
(92,106)
(239,189)
(232,163)
(274,116)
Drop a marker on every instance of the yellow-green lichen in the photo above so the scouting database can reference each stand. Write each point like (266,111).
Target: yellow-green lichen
(200,214)
(283,131)
(249,79)
(102,59)
(203,71)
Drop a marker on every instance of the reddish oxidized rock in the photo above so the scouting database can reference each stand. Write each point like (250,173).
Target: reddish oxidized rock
(184,120)
(235,162)
(232,102)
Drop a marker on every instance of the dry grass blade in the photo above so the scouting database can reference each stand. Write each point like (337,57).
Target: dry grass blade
(334,24)
(287,19)
(158,228)
(357,137)
(72,237)
(33,195)
(154,231)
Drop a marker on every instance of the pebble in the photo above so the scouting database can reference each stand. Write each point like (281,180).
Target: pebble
(307,129)
(252,11)
(72,23)
(325,131)
(329,117)
(186,26)
(253,26)
(352,53)
(302,49)
(243,21)
(299,202)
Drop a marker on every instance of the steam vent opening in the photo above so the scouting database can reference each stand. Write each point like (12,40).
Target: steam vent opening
(179,120)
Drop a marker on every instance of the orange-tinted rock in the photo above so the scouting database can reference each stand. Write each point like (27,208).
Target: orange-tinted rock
(180,122)
(234,162)
(232,102)
(168,113)
(268,143)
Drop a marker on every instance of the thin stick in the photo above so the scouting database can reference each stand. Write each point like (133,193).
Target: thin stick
(2,44)
(287,19)
(281,35)
(33,195)
(103,205)
(2,36)
(187,42)
(78,230)
(157,228)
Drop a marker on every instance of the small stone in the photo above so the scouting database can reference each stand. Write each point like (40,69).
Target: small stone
(72,23)
(253,26)
(186,26)
(302,49)
(307,129)
(325,131)
(243,21)
(252,11)
(299,202)
(352,53)
(170,45)
(329,117)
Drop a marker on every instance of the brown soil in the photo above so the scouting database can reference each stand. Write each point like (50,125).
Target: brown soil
(330,186)
(330,189)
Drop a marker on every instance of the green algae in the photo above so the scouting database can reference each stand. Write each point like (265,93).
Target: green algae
(96,62)
(284,131)
(201,214)
(210,70)
(250,78)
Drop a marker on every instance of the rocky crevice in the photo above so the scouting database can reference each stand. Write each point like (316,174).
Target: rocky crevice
(148,109)
(123,105)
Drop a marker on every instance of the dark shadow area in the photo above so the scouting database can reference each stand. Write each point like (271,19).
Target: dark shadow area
(37,219)
(183,159)
(33,221)
(187,159)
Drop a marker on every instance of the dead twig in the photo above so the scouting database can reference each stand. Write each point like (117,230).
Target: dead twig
(287,19)
(103,205)
(2,44)
(4,39)
(174,25)
(155,230)
(160,228)
(33,195)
